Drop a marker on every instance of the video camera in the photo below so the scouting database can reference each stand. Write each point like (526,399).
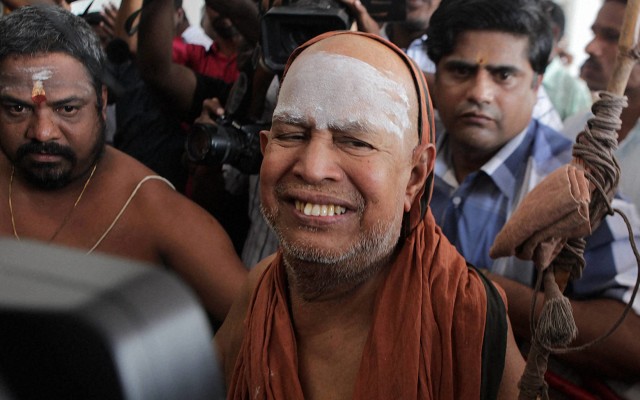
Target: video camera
(286,27)
(235,139)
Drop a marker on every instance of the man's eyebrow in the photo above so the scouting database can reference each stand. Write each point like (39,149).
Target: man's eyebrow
(502,68)
(290,119)
(454,64)
(351,127)
(67,100)
(610,32)
(341,126)
(4,98)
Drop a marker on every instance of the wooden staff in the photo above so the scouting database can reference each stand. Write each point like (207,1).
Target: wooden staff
(532,384)
(625,61)
(627,45)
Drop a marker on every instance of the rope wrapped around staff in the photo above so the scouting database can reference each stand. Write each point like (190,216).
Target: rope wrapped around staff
(594,152)
(551,232)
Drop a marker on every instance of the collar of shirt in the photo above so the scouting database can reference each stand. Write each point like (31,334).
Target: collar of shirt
(502,168)
(631,142)
(472,212)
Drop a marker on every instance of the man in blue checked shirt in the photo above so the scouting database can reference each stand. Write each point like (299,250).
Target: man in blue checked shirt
(489,70)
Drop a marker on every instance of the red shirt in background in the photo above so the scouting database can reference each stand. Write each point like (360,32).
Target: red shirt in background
(210,62)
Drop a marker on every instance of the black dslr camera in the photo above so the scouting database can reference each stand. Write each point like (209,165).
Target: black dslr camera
(283,29)
(227,143)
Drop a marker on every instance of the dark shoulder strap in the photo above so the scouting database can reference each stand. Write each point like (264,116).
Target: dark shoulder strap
(494,344)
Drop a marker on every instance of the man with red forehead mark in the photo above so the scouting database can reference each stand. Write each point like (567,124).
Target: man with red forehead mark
(365,298)
(60,183)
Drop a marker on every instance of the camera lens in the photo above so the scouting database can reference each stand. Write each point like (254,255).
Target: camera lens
(226,143)
(198,143)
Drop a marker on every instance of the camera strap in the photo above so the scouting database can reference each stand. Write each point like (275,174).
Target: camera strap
(128,23)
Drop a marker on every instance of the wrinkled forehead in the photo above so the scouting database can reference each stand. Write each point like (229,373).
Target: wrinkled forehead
(327,88)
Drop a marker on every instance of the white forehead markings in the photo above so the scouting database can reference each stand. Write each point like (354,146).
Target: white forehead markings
(41,74)
(38,94)
(38,74)
(346,90)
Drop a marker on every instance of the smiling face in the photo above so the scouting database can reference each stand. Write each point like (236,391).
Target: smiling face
(50,127)
(337,170)
(485,92)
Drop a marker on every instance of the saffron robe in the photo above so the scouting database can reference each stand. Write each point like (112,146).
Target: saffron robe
(426,341)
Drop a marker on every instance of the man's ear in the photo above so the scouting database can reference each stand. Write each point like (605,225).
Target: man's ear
(423,161)
(264,140)
(104,96)
(537,81)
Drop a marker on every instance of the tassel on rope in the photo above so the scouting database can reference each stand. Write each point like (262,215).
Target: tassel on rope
(556,326)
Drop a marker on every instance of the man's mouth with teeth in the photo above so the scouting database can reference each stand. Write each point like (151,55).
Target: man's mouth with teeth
(319,210)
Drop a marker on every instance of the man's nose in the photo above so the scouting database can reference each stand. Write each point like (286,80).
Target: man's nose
(318,161)
(43,126)
(482,88)
(594,47)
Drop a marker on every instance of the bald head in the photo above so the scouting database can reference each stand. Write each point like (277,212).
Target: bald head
(348,79)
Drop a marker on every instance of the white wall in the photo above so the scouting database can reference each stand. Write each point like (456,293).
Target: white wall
(579,15)
(193,9)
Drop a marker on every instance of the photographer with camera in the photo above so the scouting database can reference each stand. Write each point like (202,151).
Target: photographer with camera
(182,88)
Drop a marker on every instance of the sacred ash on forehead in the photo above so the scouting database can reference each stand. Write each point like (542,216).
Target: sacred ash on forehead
(40,74)
(345,91)
(38,94)
(41,79)
(37,75)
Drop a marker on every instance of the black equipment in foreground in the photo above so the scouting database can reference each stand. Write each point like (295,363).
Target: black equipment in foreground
(74,326)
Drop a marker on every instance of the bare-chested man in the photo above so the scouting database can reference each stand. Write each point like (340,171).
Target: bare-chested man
(60,184)
(366,299)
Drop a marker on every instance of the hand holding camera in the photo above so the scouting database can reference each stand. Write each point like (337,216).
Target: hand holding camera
(216,139)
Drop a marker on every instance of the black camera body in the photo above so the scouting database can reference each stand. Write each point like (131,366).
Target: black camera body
(227,142)
(291,24)
(286,27)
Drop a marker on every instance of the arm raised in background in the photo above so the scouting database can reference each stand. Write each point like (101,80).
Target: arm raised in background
(126,9)
(243,14)
(155,38)
(365,21)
